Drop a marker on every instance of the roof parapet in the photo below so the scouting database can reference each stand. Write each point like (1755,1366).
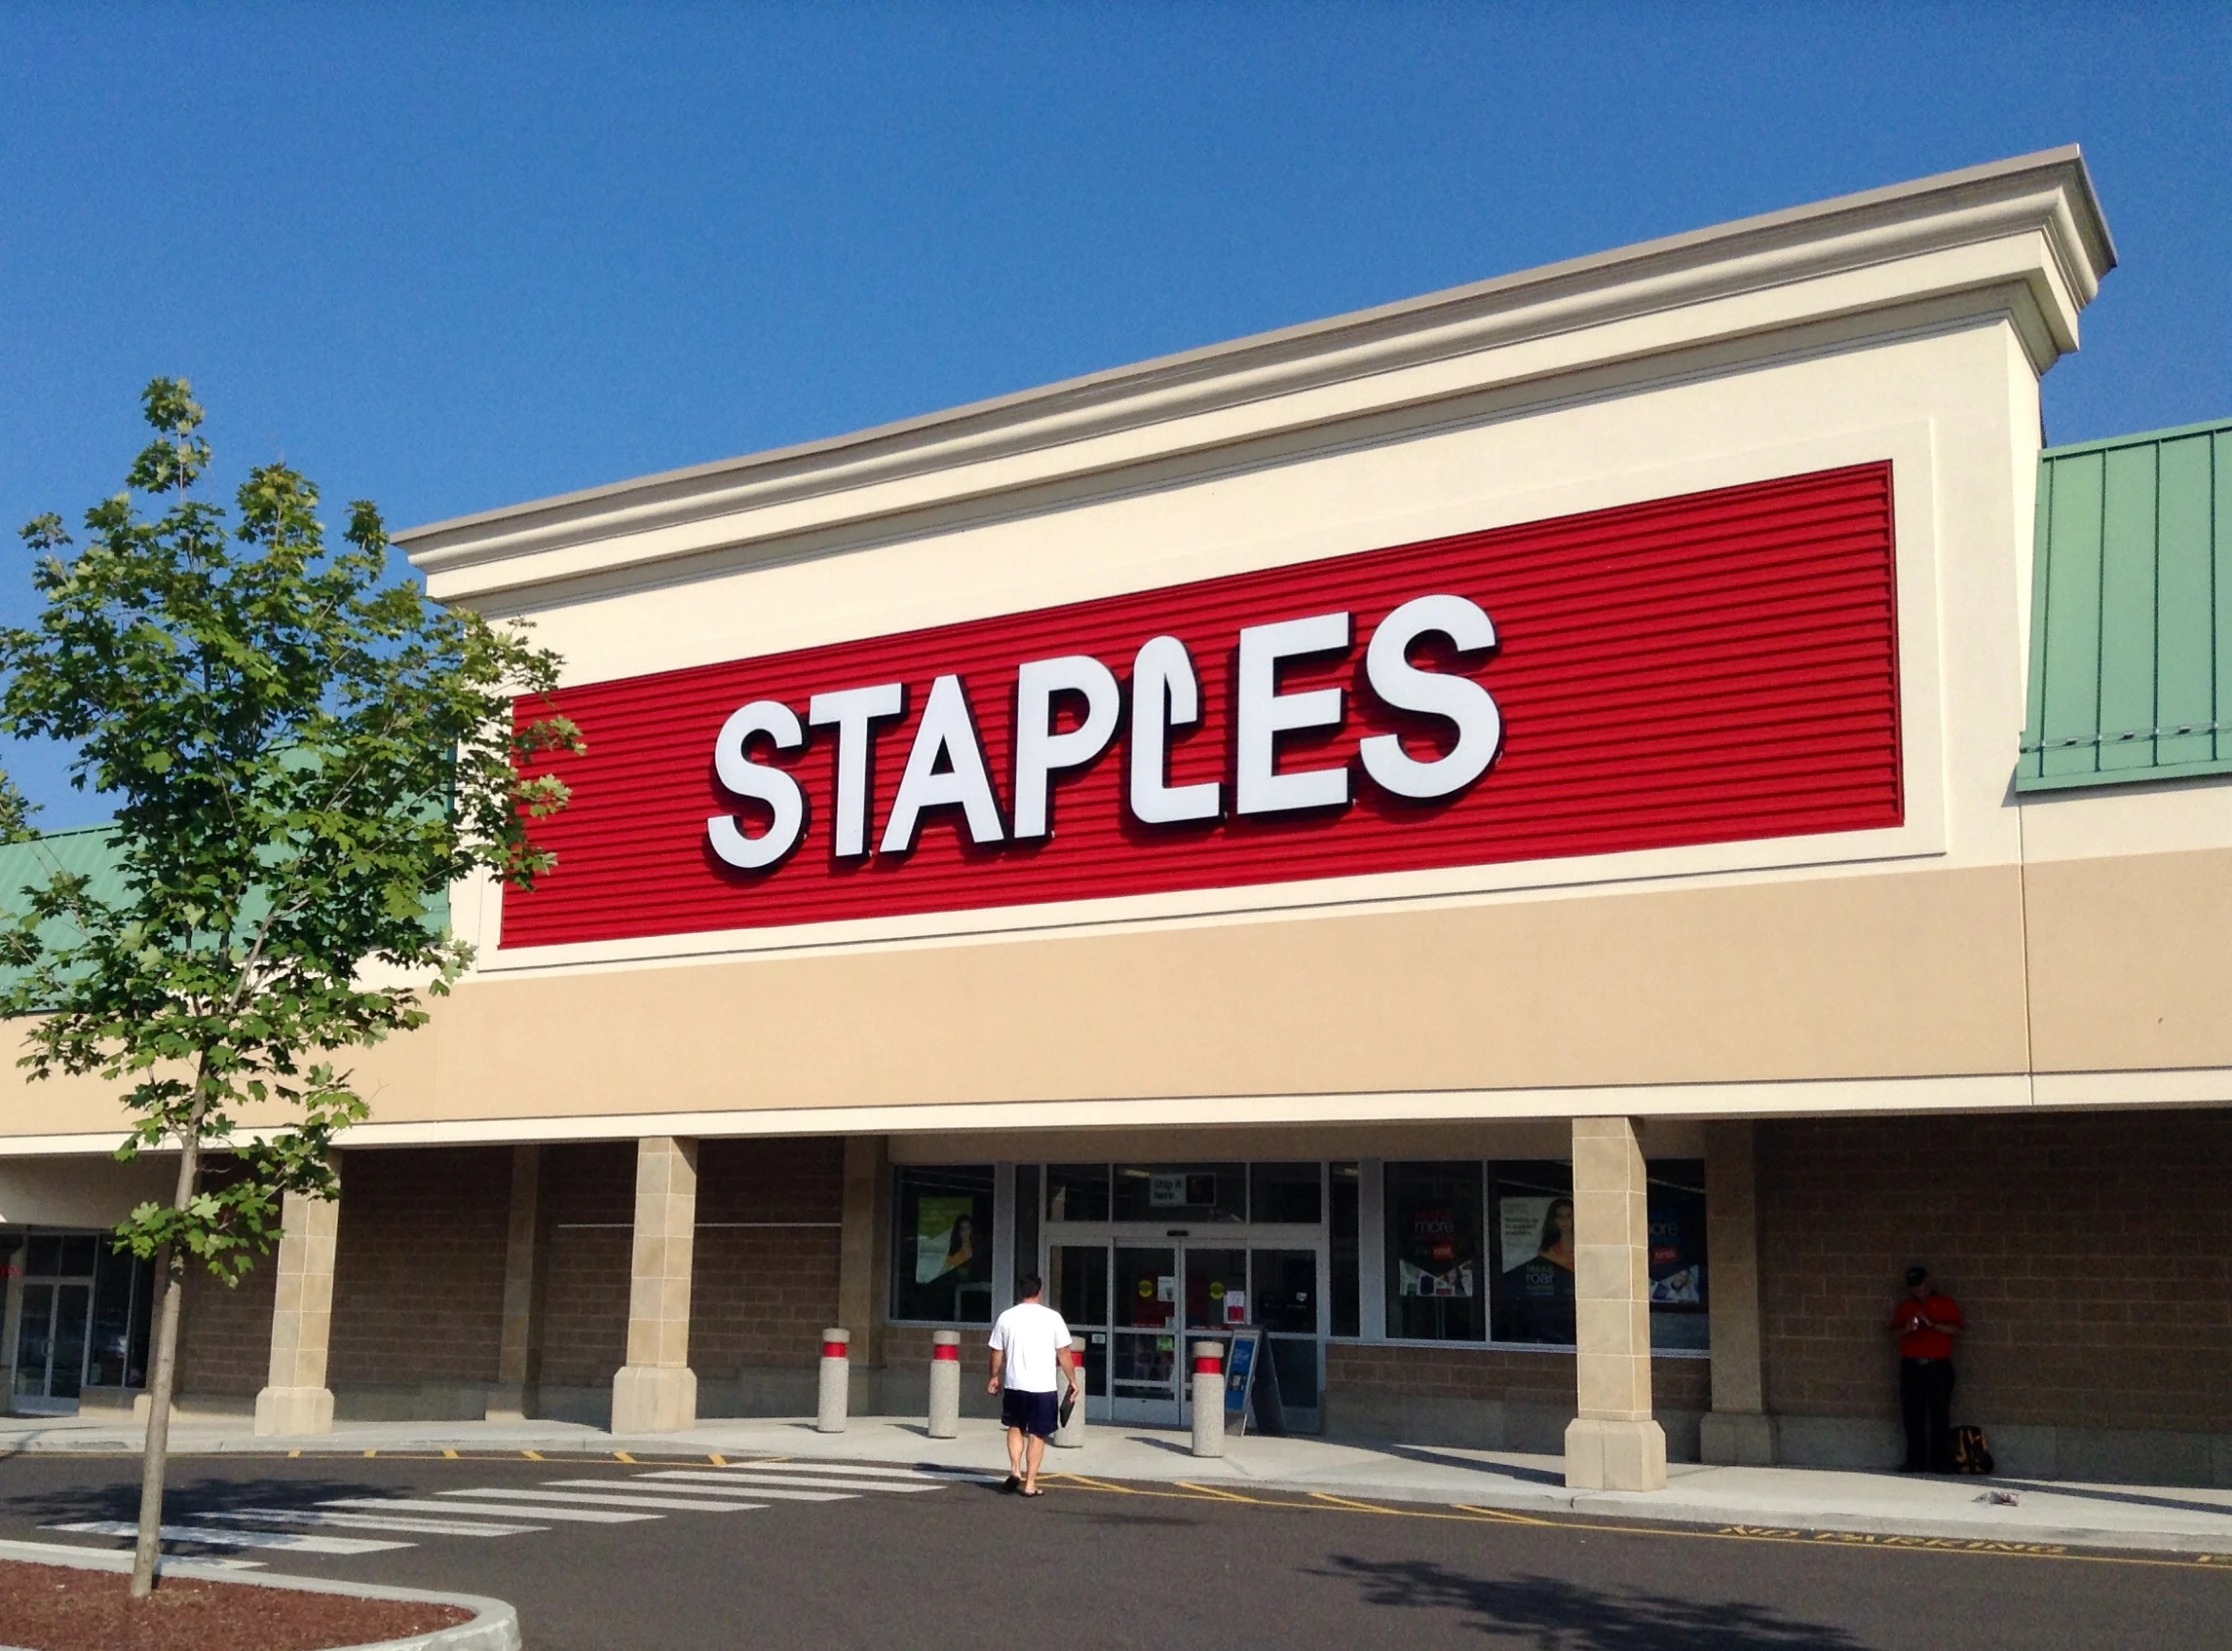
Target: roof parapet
(2023,236)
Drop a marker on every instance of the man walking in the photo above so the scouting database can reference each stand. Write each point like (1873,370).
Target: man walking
(1030,1355)
(1926,1323)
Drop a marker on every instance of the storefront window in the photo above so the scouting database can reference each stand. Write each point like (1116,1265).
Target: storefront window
(1347,1302)
(1026,1224)
(1435,1287)
(1286,1193)
(1533,1294)
(1676,1202)
(1077,1192)
(1184,1193)
(942,1244)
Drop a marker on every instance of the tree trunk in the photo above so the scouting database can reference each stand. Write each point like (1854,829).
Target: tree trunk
(160,1381)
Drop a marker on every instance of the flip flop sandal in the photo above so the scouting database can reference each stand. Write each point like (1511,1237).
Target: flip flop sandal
(1031,1493)
(1011,1485)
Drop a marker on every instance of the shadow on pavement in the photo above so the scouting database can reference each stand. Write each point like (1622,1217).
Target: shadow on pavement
(184,1498)
(2093,1493)
(1499,1470)
(1574,1617)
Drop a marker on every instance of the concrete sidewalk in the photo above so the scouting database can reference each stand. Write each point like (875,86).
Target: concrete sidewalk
(1798,1499)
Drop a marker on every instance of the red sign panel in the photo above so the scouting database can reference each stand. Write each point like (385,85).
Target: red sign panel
(1701,669)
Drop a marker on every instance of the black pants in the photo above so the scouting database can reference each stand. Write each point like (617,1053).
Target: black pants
(1926,1404)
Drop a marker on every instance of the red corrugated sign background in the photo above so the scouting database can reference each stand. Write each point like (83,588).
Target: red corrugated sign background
(1700,669)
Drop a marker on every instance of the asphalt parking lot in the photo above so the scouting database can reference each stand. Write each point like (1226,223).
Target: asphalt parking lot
(604,1554)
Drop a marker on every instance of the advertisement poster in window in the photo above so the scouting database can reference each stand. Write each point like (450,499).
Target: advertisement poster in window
(1534,1238)
(945,1237)
(1677,1258)
(1432,1264)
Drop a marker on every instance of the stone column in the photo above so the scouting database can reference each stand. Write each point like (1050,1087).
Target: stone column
(1613,1443)
(656,1390)
(296,1399)
(861,1267)
(1738,1432)
(526,1247)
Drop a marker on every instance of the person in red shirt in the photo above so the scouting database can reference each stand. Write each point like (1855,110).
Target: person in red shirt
(1926,1323)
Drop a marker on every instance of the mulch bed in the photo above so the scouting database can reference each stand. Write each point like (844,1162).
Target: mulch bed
(61,1608)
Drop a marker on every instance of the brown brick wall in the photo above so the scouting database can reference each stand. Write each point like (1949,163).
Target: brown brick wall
(1362,1370)
(418,1285)
(224,1335)
(2091,1254)
(589,1192)
(760,1295)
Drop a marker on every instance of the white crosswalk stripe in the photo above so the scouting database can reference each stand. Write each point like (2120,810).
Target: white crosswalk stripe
(607,1498)
(854,1470)
(290,1541)
(370,1522)
(758,1493)
(65,1551)
(736,1476)
(499,1510)
(427,1504)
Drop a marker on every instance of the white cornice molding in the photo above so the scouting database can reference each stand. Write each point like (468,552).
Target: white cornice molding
(2022,237)
(2010,1092)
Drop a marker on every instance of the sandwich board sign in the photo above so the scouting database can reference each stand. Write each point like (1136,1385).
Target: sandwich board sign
(1249,1372)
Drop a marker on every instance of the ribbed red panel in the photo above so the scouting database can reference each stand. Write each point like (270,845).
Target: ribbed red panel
(1700,669)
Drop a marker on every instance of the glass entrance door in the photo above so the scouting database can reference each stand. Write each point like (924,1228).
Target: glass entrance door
(1143,1357)
(84,1321)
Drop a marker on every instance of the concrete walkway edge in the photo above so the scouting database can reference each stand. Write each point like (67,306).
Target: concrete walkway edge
(494,1625)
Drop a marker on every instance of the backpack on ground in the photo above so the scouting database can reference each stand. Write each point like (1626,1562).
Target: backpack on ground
(1971,1452)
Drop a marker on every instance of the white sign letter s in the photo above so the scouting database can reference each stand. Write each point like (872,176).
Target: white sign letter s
(1457,699)
(746,778)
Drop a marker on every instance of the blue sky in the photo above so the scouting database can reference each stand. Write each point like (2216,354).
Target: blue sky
(459,256)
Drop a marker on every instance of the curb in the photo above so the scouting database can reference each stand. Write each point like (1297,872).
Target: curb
(494,1625)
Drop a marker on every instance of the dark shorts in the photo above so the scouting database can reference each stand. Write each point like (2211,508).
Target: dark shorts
(1034,1413)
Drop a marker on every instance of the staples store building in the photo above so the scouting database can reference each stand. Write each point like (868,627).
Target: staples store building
(1493,838)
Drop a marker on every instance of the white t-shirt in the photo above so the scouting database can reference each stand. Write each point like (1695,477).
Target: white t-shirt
(1030,1335)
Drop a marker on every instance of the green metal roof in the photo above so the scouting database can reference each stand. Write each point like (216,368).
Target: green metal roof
(91,850)
(2131,611)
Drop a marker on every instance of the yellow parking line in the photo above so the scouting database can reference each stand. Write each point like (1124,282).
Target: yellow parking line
(1505,1515)
(448,1454)
(1350,1503)
(532,1455)
(292,1454)
(622,1456)
(717,1459)
(371,1453)
(1220,1495)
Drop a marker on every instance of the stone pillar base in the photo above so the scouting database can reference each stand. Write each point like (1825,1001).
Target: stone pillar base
(509,1402)
(286,1411)
(1735,1439)
(1608,1455)
(652,1398)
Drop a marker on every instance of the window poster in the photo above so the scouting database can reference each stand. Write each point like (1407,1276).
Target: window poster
(1534,1247)
(1437,1258)
(1677,1240)
(945,1237)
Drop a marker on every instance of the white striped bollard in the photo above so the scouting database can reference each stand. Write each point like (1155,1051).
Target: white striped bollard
(1208,1398)
(1071,1434)
(945,1384)
(836,1372)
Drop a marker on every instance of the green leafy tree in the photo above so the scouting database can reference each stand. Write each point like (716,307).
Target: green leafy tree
(302,756)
